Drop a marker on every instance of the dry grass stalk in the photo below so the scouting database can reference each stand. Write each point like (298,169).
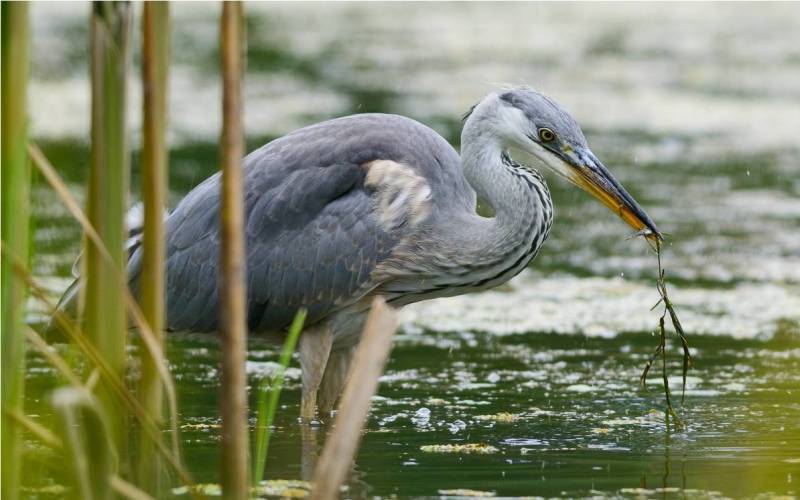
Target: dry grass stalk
(121,280)
(48,438)
(15,215)
(155,66)
(85,433)
(368,365)
(42,433)
(52,357)
(124,489)
(76,336)
(233,312)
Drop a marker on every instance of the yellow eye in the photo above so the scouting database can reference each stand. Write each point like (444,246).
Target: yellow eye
(546,135)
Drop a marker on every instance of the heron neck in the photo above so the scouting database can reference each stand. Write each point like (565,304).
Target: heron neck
(509,193)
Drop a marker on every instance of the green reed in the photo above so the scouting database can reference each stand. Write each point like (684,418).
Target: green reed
(15,231)
(105,321)
(269,392)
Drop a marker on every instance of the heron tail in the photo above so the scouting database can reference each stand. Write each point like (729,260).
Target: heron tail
(68,304)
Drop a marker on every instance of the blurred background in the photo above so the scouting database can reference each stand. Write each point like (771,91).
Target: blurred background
(695,108)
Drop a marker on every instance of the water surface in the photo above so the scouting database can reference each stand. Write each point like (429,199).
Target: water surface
(694,108)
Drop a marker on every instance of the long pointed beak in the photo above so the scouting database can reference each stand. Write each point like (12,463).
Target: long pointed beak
(589,174)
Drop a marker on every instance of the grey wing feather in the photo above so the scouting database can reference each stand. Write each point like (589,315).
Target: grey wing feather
(311,236)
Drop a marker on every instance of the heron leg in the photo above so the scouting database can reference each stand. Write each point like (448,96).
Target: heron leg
(334,380)
(315,349)
(309,451)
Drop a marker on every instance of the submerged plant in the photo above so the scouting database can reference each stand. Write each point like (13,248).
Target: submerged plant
(669,310)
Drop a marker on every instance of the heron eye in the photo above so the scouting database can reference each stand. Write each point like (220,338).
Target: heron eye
(546,135)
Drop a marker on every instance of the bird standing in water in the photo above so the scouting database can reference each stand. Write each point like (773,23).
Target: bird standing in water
(379,204)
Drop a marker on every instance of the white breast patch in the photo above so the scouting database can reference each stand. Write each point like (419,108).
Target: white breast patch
(401,195)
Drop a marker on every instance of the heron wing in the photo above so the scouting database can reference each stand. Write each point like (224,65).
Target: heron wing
(313,236)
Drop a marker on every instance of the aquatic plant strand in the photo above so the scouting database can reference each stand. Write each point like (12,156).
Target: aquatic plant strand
(669,309)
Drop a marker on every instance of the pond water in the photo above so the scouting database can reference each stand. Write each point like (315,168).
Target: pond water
(694,108)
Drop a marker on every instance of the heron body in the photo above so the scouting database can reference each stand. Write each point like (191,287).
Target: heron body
(369,204)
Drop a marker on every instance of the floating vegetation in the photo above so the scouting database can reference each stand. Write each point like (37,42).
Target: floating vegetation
(650,418)
(502,417)
(281,488)
(684,492)
(436,401)
(467,493)
(661,350)
(200,427)
(469,448)
(56,490)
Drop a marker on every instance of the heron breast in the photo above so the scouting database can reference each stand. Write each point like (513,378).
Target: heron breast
(401,196)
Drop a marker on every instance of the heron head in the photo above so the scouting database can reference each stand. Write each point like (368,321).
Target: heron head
(546,134)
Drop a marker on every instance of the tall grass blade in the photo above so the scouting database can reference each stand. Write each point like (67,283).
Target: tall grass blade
(15,229)
(153,349)
(89,449)
(368,364)
(104,315)
(127,490)
(155,66)
(76,336)
(232,280)
(42,433)
(269,393)
(52,357)
(48,438)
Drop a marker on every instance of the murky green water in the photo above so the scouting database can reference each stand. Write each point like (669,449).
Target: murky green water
(697,119)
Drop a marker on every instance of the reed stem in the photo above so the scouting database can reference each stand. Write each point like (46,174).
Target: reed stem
(235,469)
(15,231)
(368,364)
(104,315)
(155,68)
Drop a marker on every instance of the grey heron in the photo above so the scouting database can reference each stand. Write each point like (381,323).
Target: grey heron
(368,204)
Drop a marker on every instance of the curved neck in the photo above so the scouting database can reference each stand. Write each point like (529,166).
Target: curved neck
(476,253)
(508,193)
